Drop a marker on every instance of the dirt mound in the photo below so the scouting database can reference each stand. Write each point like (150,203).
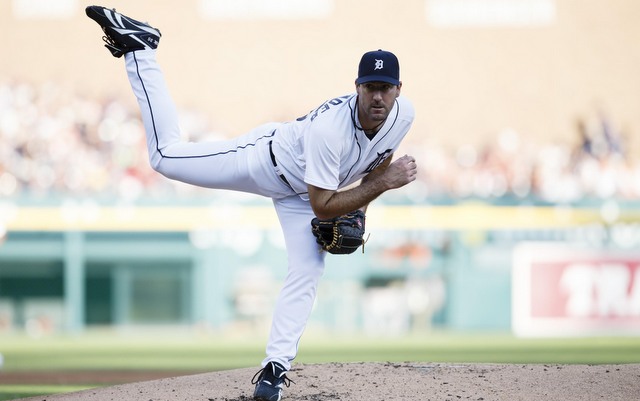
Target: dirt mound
(389,382)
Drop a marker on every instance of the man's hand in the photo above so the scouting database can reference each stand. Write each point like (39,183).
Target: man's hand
(327,204)
(399,173)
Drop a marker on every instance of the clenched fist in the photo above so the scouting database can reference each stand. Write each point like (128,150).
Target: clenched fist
(401,172)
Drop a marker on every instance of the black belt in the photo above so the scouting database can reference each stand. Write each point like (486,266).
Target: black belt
(275,165)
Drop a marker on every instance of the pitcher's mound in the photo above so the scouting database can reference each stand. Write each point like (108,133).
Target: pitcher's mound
(391,381)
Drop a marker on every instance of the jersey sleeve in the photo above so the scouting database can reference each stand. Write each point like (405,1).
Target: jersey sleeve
(322,154)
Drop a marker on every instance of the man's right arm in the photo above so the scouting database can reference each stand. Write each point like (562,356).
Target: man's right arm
(327,204)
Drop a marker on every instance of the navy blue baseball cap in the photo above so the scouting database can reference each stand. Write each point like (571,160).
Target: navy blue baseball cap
(379,66)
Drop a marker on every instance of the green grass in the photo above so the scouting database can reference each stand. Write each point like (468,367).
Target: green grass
(12,392)
(189,354)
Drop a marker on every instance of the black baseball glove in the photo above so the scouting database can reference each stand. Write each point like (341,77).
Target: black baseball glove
(340,235)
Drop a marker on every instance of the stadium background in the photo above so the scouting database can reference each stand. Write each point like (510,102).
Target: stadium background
(526,131)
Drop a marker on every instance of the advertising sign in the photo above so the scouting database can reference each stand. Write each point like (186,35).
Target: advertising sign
(567,290)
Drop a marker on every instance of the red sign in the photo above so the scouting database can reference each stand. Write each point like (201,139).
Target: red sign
(560,289)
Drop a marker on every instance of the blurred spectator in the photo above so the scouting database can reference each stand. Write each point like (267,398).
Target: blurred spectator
(56,143)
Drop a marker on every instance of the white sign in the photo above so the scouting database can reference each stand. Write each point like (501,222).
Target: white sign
(565,290)
(490,13)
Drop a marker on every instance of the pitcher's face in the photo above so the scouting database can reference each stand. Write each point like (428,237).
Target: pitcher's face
(375,101)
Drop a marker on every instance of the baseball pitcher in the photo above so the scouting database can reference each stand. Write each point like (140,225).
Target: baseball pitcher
(302,165)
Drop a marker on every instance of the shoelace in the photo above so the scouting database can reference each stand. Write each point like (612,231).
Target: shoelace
(108,40)
(261,373)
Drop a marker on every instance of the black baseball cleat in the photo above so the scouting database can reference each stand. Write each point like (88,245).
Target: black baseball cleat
(269,382)
(123,34)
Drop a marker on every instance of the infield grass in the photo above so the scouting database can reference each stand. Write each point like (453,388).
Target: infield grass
(170,352)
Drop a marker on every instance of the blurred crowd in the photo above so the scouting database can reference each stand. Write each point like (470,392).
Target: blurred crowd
(57,143)
(596,166)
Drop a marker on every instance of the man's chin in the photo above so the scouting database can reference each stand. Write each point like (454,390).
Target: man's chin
(378,111)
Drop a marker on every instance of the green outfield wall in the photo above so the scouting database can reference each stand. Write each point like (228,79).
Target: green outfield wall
(423,266)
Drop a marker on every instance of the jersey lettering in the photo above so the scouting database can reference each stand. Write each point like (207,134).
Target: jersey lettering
(323,107)
(378,161)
